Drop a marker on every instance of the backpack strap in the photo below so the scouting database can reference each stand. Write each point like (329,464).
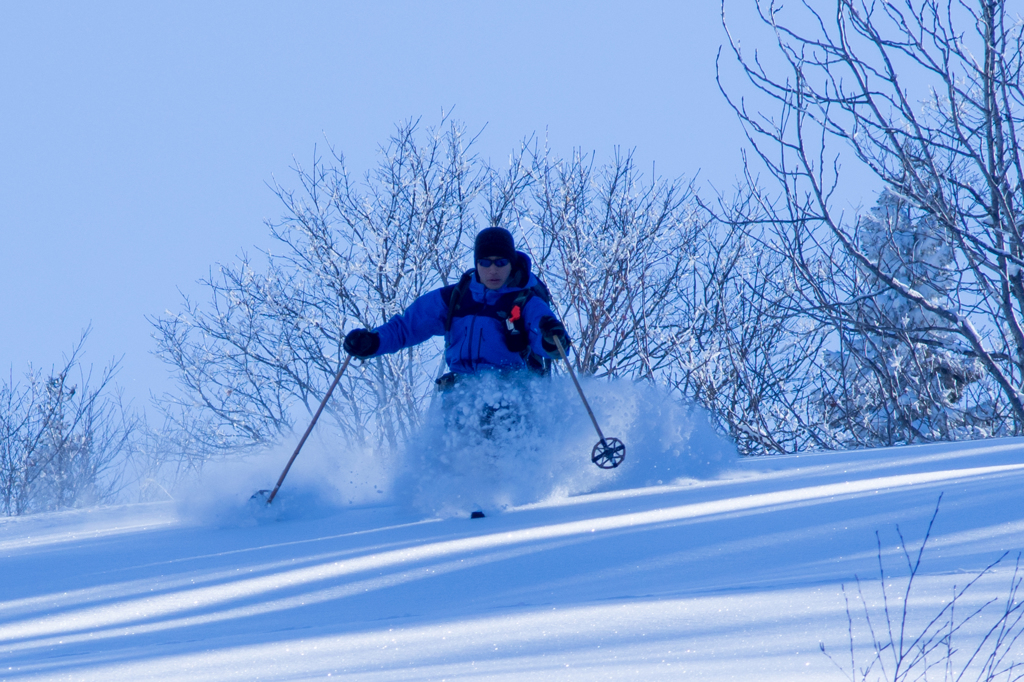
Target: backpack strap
(452,296)
(534,362)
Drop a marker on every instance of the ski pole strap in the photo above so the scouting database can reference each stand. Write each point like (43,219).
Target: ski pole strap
(454,299)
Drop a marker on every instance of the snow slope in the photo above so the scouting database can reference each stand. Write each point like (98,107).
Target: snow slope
(738,577)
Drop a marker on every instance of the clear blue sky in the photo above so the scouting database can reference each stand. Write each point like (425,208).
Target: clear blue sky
(136,139)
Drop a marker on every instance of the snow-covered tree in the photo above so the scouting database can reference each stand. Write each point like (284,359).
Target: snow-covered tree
(65,440)
(613,246)
(348,254)
(896,376)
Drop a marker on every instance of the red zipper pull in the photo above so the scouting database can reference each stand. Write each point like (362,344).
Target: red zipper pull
(515,315)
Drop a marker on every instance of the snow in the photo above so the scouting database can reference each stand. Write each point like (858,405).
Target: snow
(735,575)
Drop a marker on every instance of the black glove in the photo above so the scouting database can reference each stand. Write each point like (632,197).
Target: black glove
(552,329)
(362,343)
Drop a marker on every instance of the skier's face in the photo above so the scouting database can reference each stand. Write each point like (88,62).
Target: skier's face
(493,276)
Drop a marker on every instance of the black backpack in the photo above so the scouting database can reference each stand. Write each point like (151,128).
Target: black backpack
(507,309)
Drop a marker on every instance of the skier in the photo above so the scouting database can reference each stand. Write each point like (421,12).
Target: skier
(496,319)
(497,325)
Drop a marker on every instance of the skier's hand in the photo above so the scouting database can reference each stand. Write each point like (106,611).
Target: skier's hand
(552,329)
(362,343)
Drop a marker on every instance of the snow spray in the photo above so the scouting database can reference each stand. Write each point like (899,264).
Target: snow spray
(491,444)
(495,443)
(332,475)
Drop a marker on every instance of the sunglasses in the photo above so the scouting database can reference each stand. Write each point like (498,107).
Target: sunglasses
(487,262)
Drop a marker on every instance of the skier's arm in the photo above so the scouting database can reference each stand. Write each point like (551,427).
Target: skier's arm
(421,320)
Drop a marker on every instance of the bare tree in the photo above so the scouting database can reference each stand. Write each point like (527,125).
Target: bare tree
(613,248)
(926,95)
(959,641)
(62,443)
(750,354)
(653,285)
(354,254)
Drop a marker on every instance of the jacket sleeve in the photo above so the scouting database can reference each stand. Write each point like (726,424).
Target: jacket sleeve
(534,310)
(421,320)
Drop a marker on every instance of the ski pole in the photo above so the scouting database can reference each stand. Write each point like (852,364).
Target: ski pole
(609,452)
(309,429)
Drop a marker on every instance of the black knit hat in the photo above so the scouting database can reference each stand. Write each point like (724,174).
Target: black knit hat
(494,241)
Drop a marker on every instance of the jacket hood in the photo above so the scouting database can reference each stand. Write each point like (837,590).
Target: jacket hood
(521,271)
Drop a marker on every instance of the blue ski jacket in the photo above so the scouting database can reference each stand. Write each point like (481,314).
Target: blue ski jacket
(479,337)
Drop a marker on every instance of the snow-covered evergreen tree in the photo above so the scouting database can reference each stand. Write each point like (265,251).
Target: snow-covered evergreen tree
(896,377)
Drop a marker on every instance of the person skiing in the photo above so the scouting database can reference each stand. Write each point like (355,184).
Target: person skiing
(496,319)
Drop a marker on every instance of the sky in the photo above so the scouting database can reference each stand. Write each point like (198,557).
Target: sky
(137,140)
